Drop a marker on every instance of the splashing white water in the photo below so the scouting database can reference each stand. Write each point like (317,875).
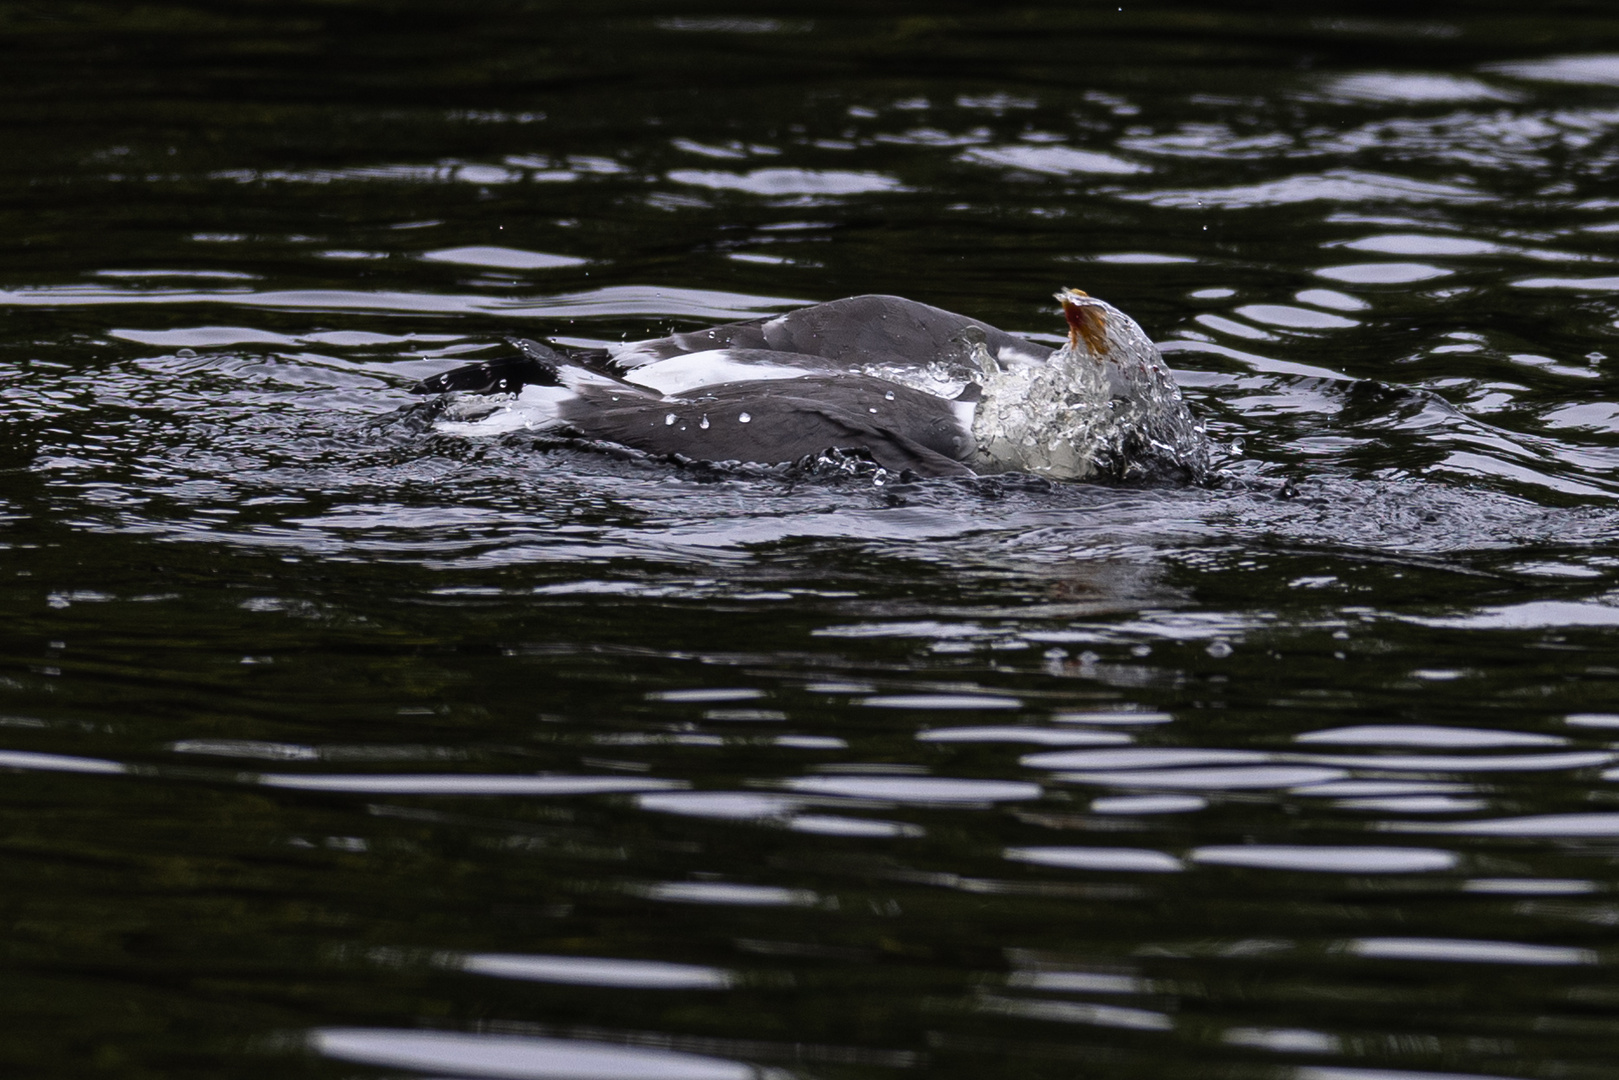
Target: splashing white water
(1104,404)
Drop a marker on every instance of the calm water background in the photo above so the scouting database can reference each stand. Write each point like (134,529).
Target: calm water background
(338,748)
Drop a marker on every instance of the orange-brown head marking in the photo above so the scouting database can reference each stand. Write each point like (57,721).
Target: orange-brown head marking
(1084,321)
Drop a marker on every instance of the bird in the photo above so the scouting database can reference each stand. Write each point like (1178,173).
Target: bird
(915,389)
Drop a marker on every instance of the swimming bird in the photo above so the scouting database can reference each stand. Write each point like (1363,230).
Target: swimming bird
(913,387)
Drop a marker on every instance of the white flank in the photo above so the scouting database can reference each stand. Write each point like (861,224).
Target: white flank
(680,374)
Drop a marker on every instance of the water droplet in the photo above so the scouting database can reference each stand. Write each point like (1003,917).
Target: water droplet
(889,395)
(703,423)
(744,418)
(669,421)
(872,411)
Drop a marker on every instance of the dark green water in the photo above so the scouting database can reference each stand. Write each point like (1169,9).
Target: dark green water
(337,748)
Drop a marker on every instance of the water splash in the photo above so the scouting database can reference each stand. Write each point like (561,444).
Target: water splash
(1103,406)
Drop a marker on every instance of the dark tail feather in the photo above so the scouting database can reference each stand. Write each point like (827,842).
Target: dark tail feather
(534,365)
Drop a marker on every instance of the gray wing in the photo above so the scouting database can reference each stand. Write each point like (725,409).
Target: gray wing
(785,421)
(857,330)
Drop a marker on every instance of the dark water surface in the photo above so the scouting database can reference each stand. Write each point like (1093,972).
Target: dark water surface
(338,748)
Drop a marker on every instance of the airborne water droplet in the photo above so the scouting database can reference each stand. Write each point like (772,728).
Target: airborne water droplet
(669,420)
(703,423)
(744,418)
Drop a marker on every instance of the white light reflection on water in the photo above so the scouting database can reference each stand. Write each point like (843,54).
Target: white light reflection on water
(1345,186)
(1530,615)
(1594,70)
(250,749)
(1148,804)
(1138,860)
(1324,859)
(1110,716)
(1400,273)
(1078,1012)
(31,761)
(1412,804)
(915,789)
(1040,736)
(768,808)
(1592,720)
(723,893)
(1451,950)
(1283,1040)
(940,701)
(707,694)
(1457,763)
(467,784)
(1294,318)
(518,1057)
(1405,88)
(1427,735)
(1146,757)
(593,971)
(834,825)
(1529,887)
(1569,826)
(736,805)
(1078,982)
(1054,160)
(823,182)
(1214,778)
(501,258)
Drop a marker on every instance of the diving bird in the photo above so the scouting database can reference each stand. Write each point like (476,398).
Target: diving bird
(913,387)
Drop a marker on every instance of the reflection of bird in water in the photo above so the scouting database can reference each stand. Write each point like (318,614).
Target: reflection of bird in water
(912,386)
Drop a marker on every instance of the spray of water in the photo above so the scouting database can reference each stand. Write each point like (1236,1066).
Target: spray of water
(1103,406)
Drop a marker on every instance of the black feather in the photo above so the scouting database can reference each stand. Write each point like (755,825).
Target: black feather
(534,365)
(898,427)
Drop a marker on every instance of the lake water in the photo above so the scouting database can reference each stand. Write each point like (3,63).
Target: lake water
(335,747)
